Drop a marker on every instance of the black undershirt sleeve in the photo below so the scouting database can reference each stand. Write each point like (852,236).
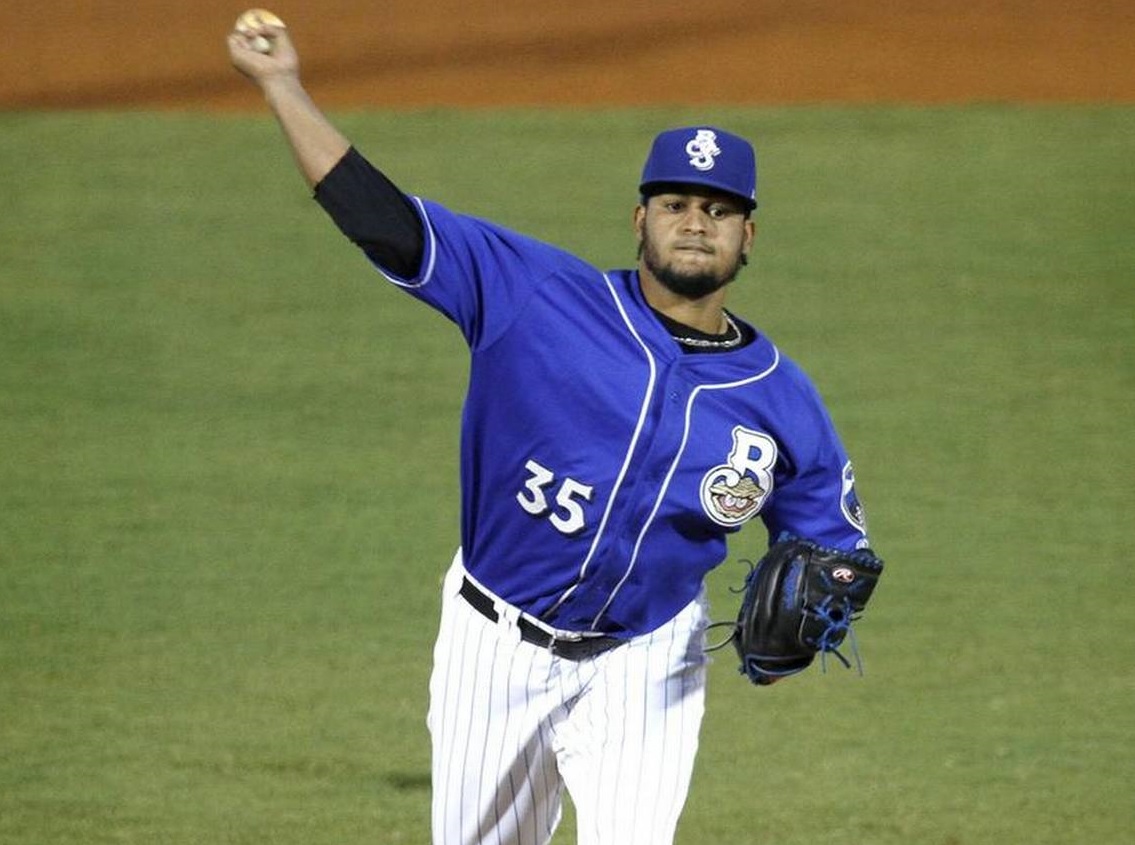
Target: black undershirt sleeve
(370,210)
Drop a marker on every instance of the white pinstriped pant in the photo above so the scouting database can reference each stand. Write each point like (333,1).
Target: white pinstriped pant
(512,725)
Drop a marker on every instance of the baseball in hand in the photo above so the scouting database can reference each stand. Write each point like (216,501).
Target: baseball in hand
(248,24)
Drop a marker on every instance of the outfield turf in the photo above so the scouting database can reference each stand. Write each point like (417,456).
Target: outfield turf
(228,472)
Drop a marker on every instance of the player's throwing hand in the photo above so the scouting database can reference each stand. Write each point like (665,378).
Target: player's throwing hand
(260,47)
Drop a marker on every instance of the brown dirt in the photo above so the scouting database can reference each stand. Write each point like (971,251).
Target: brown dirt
(592,52)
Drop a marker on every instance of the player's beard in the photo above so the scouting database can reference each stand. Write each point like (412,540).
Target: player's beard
(690,284)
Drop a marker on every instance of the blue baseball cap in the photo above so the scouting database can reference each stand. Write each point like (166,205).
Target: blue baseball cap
(702,155)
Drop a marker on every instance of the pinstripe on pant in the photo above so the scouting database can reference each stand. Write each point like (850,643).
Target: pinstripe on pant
(512,725)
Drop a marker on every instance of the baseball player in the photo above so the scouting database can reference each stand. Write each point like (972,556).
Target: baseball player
(619,426)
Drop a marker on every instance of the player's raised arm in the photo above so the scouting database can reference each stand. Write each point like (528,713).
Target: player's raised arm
(366,206)
(262,50)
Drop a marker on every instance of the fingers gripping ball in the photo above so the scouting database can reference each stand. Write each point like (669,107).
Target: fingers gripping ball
(249,24)
(799,601)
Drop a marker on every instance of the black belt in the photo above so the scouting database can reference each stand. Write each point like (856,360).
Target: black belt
(578,647)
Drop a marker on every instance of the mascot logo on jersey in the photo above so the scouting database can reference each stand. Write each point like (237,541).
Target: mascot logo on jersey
(734,492)
(702,149)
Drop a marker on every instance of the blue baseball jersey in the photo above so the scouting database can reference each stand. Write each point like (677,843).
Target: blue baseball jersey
(602,468)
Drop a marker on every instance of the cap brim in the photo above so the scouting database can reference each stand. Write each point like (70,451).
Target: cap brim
(658,186)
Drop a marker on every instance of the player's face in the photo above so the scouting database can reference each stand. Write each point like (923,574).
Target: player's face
(693,243)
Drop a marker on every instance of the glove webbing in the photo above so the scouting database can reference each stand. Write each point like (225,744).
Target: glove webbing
(838,626)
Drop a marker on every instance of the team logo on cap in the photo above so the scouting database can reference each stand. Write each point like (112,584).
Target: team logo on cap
(702,149)
(734,492)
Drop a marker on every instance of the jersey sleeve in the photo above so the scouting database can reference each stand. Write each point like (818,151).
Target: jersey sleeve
(477,273)
(814,493)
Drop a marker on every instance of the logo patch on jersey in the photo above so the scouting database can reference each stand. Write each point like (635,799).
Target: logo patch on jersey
(702,149)
(849,502)
(734,492)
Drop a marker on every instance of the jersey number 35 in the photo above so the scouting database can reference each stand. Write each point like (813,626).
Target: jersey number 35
(564,511)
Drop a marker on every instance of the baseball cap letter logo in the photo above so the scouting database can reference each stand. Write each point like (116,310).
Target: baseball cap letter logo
(702,149)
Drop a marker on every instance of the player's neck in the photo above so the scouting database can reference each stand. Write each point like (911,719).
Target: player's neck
(706,314)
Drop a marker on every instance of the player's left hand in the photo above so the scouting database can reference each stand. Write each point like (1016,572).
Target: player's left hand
(800,600)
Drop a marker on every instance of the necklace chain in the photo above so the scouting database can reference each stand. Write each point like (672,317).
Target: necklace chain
(729,342)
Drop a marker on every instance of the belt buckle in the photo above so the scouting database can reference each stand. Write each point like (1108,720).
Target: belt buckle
(577,646)
(558,641)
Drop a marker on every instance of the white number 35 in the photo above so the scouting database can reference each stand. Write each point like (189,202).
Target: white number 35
(566,514)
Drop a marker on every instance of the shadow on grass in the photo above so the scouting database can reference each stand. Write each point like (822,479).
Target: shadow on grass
(408,781)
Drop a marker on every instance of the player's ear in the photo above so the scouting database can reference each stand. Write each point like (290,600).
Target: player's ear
(638,219)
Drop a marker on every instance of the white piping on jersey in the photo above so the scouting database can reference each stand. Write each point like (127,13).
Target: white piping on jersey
(430,250)
(643,413)
(674,467)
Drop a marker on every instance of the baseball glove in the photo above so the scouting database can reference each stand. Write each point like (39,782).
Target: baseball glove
(799,601)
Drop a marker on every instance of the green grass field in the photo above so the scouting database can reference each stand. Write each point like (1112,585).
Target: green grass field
(228,472)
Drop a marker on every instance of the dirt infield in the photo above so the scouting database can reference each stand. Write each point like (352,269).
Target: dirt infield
(162,53)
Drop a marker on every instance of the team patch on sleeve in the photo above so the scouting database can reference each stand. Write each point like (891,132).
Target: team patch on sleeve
(849,501)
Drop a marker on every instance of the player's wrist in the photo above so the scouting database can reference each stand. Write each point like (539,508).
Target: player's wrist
(280,89)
